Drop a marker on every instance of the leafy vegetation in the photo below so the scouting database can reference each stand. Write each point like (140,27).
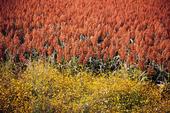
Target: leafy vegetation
(84,56)
(41,87)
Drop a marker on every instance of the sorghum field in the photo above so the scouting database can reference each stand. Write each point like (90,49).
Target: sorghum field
(84,56)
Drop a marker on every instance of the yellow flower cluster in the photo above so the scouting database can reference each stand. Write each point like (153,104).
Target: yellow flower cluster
(42,88)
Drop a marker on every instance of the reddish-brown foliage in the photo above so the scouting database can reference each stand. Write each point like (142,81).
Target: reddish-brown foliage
(141,26)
